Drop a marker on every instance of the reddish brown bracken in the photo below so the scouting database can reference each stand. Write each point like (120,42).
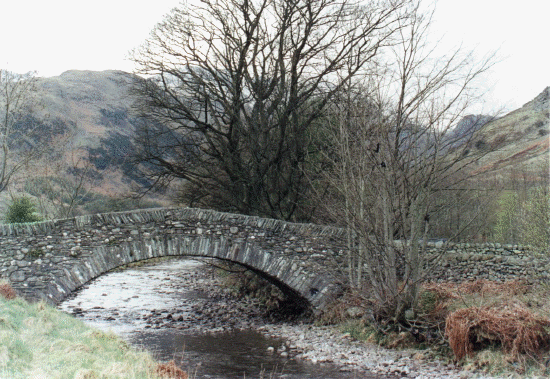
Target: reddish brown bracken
(170,370)
(7,292)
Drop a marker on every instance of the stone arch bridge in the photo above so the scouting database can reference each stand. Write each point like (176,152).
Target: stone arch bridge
(49,260)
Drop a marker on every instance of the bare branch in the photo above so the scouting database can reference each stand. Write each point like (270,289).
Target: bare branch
(236,89)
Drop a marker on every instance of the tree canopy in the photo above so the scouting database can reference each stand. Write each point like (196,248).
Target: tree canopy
(235,89)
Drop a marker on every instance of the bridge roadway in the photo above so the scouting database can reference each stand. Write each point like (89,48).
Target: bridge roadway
(49,260)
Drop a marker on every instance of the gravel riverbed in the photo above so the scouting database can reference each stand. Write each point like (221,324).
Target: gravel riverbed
(216,310)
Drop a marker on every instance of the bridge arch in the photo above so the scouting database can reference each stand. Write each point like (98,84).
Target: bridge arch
(50,260)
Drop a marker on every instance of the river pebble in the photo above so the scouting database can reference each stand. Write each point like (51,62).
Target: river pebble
(214,310)
(219,311)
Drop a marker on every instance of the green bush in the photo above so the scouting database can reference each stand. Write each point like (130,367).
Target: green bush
(22,209)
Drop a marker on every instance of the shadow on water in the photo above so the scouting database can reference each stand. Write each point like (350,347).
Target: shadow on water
(223,355)
(232,355)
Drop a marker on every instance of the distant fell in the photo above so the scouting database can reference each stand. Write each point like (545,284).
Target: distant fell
(96,107)
(83,121)
(86,117)
(523,137)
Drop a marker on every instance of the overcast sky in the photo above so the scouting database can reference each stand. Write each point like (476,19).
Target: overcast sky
(54,36)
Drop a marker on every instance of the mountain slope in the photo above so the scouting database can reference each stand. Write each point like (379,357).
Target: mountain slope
(85,120)
(524,139)
(97,105)
(82,122)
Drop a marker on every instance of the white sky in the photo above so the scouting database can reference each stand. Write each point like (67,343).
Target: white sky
(53,36)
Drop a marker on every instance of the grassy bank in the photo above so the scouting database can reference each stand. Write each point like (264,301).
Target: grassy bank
(38,341)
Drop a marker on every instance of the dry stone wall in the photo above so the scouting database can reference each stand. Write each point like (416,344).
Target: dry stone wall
(49,260)
(492,261)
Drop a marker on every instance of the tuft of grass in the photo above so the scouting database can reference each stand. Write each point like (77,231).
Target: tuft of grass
(362,331)
(37,340)
(492,361)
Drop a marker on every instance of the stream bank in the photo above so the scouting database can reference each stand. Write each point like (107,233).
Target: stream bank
(198,321)
(177,311)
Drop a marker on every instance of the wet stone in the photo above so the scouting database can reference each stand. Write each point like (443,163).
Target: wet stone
(212,312)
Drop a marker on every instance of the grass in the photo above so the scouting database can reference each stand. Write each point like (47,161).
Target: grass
(38,341)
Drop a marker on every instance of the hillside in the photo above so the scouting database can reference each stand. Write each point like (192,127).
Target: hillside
(83,121)
(95,108)
(524,139)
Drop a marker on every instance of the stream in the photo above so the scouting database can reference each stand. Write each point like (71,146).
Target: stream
(170,309)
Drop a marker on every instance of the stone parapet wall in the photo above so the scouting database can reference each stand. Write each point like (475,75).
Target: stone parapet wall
(159,215)
(492,261)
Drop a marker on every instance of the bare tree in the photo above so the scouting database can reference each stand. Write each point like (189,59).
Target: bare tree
(396,151)
(523,210)
(15,105)
(65,185)
(236,89)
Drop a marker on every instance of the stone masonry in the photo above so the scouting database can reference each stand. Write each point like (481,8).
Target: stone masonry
(491,261)
(51,259)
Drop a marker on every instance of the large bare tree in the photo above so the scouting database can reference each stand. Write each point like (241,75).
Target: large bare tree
(15,106)
(396,152)
(235,90)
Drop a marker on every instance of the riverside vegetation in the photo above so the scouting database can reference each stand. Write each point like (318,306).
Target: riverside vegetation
(38,341)
(482,327)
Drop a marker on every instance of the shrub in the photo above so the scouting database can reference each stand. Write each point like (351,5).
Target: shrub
(170,370)
(511,326)
(480,144)
(7,292)
(21,210)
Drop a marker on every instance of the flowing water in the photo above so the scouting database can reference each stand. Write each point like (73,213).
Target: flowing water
(124,301)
